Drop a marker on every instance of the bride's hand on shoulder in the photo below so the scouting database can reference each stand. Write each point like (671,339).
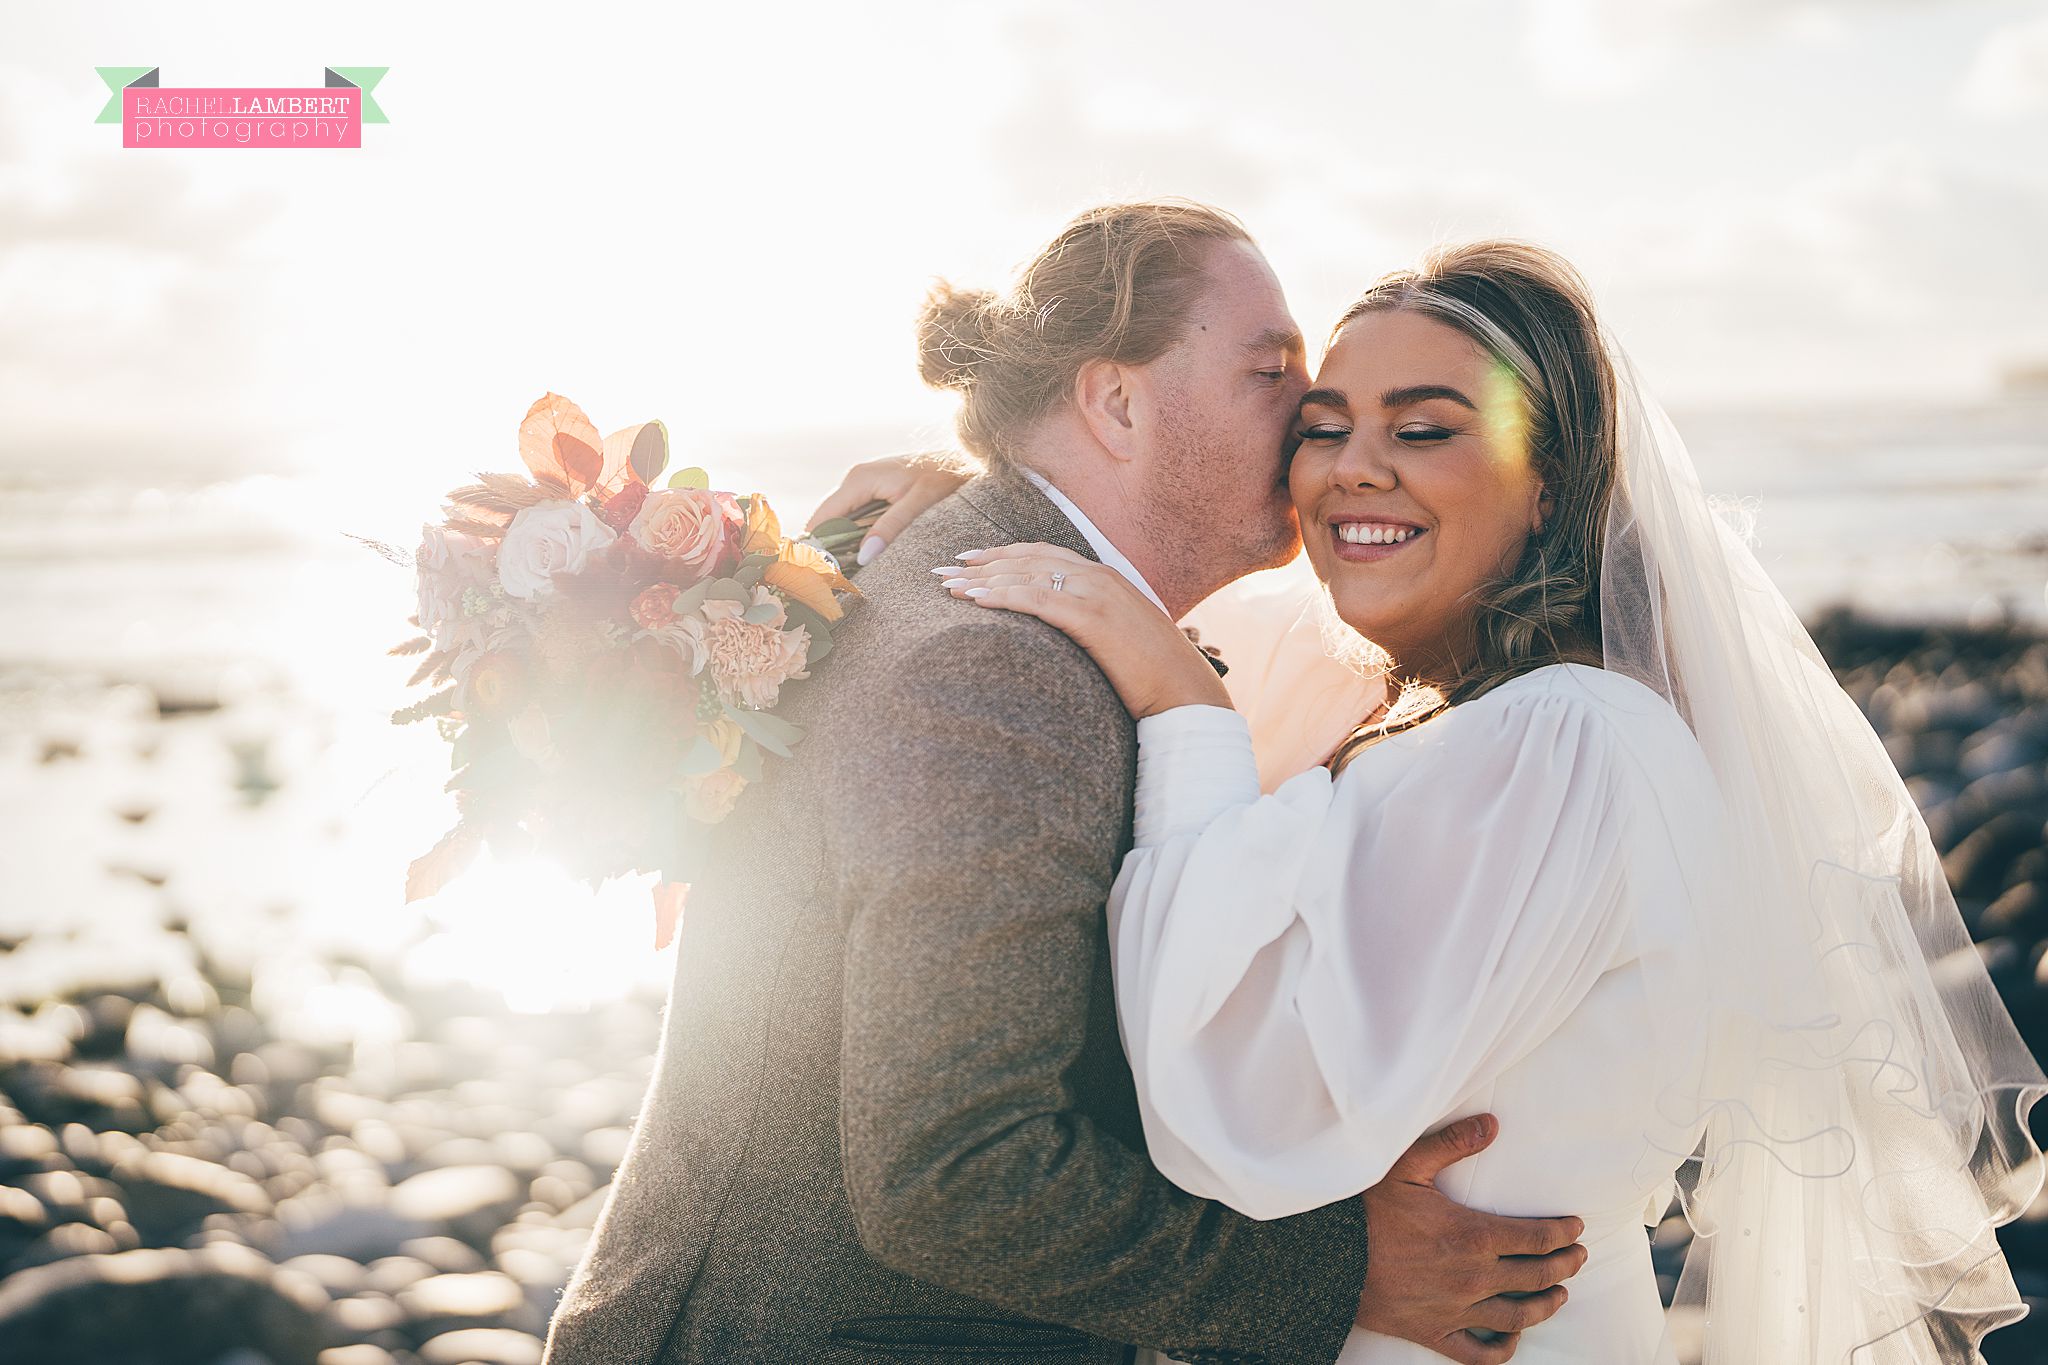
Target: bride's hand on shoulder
(910,484)
(1152,665)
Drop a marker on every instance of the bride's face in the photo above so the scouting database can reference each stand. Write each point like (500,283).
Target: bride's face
(1413,482)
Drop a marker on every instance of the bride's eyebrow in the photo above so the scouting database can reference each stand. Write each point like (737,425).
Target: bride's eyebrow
(1416,393)
(1325,398)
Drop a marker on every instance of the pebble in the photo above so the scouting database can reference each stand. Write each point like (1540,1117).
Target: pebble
(481,1346)
(187,1159)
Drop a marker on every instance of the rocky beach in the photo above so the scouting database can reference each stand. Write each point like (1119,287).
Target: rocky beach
(229,1136)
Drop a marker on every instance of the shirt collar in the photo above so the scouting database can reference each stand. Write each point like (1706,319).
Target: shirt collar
(1100,543)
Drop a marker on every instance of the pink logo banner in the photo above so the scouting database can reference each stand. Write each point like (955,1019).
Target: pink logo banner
(241,116)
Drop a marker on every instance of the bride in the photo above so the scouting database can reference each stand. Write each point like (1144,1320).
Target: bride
(1613,858)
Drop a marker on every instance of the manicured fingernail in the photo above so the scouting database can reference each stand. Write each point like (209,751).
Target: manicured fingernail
(869,548)
(970,556)
(978,592)
(945,569)
(954,584)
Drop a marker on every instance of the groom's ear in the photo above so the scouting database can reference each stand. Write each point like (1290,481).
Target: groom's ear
(1104,393)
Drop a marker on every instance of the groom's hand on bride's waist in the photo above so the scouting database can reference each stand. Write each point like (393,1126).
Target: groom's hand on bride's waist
(1464,1284)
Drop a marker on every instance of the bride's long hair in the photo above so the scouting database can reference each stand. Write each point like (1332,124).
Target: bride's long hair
(1533,314)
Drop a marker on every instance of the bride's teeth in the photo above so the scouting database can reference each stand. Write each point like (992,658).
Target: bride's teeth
(1358,533)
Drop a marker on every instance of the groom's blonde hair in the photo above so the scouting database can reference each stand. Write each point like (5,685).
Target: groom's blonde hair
(1116,283)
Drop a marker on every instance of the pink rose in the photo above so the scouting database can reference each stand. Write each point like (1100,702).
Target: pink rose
(713,795)
(750,661)
(450,563)
(689,527)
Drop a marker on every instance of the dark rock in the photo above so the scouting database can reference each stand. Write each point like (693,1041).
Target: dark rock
(481,1346)
(365,1315)
(469,1201)
(362,1353)
(315,1224)
(442,1303)
(2020,911)
(64,1241)
(1976,867)
(166,1193)
(99,1097)
(392,1274)
(167,1305)
(445,1254)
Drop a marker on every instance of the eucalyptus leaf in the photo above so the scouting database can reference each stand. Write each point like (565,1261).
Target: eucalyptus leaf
(821,645)
(689,478)
(836,527)
(762,615)
(689,599)
(650,452)
(704,757)
(725,590)
(748,576)
(747,767)
(770,731)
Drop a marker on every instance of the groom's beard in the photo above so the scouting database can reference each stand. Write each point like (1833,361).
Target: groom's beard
(1202,512)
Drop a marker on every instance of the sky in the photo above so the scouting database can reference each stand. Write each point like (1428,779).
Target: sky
(725,216)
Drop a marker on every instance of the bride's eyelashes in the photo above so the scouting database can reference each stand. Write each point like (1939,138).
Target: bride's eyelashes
(1322,431)
(1423,434)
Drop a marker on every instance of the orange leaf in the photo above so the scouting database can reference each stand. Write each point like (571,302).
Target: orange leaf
(764,528)
(635,454)
(442,863)
(557,441)
(668,909)
(808,577)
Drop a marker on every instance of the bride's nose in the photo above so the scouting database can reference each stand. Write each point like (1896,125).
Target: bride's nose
(1363,464)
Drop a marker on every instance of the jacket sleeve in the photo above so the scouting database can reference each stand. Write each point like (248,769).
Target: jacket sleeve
(979,841)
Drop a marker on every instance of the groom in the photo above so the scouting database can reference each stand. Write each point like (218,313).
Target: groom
(891,1118)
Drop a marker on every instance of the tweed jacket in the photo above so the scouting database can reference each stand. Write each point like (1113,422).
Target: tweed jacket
(890,1118)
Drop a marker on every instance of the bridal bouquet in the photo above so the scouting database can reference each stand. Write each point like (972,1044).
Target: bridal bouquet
(613,653)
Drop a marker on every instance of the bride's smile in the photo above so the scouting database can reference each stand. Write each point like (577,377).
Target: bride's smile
(1412,460)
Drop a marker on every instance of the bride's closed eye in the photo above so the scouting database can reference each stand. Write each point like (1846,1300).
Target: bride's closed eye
(1322,431)
(1421,433)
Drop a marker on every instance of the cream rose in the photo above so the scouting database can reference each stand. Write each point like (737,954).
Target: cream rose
(546,539)
(751,661)
(685,635)
(688,526)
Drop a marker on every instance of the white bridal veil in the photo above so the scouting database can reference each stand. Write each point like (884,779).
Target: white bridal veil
(1863,1091)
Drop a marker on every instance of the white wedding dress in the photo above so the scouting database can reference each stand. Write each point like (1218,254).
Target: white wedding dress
(1311,979)
(1677,912)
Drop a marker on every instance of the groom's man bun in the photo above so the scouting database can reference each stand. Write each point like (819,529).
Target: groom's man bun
(1116,283)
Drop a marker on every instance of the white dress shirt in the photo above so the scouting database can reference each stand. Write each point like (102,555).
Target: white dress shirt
(1098,542)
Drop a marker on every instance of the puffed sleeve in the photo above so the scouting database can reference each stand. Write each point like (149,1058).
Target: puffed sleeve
(1308,980)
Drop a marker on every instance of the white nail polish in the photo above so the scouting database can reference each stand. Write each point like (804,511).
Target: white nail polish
(978,592)
(869,548)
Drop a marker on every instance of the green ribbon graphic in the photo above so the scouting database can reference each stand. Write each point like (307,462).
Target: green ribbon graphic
(363,78)
(119,78)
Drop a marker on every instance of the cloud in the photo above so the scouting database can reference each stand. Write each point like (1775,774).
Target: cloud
(2010,73)
(1894,270)
(126,319)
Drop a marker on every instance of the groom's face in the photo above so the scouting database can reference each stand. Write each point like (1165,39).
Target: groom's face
(1216,476)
